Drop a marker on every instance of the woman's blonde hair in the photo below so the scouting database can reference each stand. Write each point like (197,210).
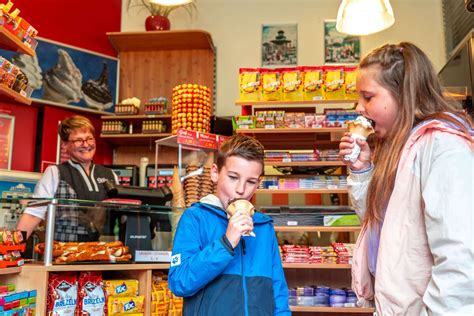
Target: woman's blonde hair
(74,122)
(408,74)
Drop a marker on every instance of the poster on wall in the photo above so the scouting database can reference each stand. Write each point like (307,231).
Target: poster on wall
(279,44)
(69,76)
(7,127)
(340,48)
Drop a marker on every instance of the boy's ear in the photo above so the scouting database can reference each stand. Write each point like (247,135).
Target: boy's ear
(214,173)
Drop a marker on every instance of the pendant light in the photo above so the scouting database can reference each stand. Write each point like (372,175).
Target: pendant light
(364,17)
(171,2)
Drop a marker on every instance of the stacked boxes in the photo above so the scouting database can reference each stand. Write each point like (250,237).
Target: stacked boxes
(14,303)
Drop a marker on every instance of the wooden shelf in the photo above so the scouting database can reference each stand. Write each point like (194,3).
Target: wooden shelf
(316,266)
(8,41)
(343,310)
(136,117)
(305,191)
(10,95)
(161,40)
(321,130)
(11,270)
(305,163)
(335,229)
(287,103)
(134,139)
(99,267)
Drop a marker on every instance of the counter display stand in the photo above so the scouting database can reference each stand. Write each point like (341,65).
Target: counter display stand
(35,274)
(299,274)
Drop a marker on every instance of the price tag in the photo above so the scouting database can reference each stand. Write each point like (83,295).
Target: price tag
(292,223)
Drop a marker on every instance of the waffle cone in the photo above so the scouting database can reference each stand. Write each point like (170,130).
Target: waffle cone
(359,129)
(177,190)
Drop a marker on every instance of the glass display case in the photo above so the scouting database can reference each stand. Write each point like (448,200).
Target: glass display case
(90,232)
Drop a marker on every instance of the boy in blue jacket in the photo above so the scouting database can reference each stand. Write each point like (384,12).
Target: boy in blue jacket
(215,266)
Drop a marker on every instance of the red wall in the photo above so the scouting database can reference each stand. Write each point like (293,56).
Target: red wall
(81,23)
(23,155)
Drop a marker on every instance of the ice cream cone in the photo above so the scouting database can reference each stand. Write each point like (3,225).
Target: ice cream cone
(244,206)
(361,128)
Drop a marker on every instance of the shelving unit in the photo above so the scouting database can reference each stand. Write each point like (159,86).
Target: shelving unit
(38,274)
(7,271)
(151,64)
(8,41)
(332,310)
(298,274)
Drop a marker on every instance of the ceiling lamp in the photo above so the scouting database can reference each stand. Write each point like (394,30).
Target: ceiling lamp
(364,17)
(171,2)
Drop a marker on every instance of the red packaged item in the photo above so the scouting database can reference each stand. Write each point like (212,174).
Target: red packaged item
(92,297)
(62,294)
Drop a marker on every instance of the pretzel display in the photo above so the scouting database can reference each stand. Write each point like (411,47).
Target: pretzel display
(65,252)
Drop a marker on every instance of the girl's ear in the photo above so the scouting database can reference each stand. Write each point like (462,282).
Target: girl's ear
(214,173)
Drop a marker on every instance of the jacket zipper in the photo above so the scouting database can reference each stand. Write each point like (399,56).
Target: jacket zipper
(243,277)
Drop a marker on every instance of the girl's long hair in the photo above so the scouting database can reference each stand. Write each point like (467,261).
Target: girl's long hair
(410,77)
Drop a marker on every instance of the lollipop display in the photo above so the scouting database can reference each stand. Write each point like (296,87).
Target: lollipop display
(191,108)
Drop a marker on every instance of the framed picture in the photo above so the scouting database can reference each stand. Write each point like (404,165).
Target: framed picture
(69,76)
(7,127)
(279,44)
(340,48)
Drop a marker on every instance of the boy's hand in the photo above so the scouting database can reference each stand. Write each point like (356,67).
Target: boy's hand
(239,224)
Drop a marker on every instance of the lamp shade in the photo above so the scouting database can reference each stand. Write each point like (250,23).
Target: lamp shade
(171,2)
(364,17)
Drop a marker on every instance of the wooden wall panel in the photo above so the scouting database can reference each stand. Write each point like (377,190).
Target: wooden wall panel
(148,74)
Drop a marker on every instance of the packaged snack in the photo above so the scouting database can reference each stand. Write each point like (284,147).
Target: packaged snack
(270,119)
(334,83)
(260,119)
(62,294)
(271,84)
(350,74)
(121,287)
(289,119)
(291,81)
(126,304)
(249,84)
(92,297)
(279,119)
(313,78)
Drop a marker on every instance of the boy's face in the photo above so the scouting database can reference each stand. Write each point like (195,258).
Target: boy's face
(237,179)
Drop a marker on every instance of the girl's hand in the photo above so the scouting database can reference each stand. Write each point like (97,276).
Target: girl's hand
(239,224)
(345,148)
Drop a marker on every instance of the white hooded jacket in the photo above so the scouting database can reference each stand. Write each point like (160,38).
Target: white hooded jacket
(425,263)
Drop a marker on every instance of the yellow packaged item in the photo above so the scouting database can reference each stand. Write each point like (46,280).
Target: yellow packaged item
(249,84)
(271,84)
(129,314)
(121,287)
(126,305)
(350,74)
(334,83)
(313,79)
(291,81)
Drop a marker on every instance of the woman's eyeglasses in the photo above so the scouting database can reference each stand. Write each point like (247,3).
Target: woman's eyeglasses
(80,142)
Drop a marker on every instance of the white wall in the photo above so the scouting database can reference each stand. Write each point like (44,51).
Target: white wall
(235,26)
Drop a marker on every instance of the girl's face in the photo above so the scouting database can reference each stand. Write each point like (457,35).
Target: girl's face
(376,102)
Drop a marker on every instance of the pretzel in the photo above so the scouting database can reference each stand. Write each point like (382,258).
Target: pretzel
(87,251)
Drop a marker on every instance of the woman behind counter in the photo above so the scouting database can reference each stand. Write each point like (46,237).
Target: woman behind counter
(77,178)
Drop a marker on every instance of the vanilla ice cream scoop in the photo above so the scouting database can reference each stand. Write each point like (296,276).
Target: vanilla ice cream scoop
(360,128)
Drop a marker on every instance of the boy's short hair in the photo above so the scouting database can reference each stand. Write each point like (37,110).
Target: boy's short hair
(74,122)
(241,146)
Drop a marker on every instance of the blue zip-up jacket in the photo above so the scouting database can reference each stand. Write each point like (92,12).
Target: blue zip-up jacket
(215,279)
